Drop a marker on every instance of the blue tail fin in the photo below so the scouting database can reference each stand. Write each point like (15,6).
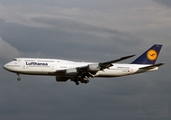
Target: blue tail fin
(150,56)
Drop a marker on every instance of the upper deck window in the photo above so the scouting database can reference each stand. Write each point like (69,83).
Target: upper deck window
(14,59)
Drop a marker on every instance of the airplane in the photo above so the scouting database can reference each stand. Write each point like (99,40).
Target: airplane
(81,72)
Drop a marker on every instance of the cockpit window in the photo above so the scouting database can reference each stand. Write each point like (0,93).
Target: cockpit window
(14,59)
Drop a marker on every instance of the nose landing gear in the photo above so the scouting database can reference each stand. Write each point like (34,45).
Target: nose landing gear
(19,78)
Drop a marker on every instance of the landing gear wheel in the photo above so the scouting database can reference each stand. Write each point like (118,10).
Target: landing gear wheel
(76,82)
(18,78)
(87,81)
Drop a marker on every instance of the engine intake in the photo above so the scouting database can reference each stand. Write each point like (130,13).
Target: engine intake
(71,72)
(94,67)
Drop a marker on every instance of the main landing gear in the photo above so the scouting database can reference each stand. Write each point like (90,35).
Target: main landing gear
(82,80)
(19,78)
(76,82)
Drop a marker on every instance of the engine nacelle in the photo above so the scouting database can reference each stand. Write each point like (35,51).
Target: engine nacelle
(71,72)
(61,79)
(94,67)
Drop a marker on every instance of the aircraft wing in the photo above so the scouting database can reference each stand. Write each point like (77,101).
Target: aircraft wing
(152,66)
(91,69)
(108,64)
(82,73)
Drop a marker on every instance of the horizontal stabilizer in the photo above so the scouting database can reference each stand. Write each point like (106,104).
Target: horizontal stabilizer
(152,66)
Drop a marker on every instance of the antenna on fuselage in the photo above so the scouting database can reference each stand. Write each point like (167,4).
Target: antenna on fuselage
(38,54)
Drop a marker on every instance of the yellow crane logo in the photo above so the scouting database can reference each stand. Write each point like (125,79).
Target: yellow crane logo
(152,55)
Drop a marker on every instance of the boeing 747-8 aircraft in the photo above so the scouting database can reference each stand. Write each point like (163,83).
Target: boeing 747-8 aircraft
(64,70)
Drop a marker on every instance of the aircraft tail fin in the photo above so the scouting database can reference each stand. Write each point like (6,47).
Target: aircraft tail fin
(150,56)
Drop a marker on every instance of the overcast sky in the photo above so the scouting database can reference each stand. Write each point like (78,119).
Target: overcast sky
(91,30)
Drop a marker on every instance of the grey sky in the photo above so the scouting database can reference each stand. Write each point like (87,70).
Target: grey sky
(92,30)
(164,2)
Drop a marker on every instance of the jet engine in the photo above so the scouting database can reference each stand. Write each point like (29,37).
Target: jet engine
(71,72)
(94,67)
(61,79)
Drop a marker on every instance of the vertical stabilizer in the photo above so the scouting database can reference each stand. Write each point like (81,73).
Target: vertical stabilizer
(150,56)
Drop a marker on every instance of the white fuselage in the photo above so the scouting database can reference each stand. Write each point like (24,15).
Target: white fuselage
(36,66)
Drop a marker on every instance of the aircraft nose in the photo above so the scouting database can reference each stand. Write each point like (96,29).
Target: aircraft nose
(5,66)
